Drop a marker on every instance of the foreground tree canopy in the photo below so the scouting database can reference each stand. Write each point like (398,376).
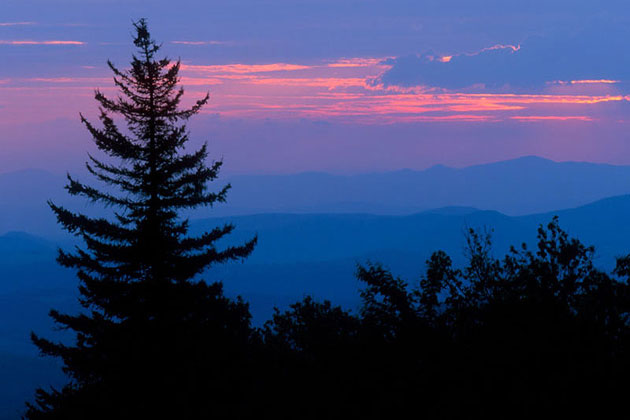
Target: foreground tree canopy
(538,331)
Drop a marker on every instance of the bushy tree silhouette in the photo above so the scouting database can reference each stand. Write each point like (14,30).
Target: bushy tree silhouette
(310,349)
(151,340)
(537,331)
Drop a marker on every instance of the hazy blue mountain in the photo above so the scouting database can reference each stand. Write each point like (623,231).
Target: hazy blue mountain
(31,283)
(23,247)
(302,253)
(317,253)
(288,243)
(515,187)
(23,197)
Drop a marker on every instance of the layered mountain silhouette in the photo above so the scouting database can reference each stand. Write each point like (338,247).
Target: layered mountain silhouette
(299,254)
(515,187)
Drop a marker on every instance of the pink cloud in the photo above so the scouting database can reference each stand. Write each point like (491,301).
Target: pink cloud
(338,91)
(244,68)
(557,118)
(588,82)
(356,62)
(28,42)
(329,83)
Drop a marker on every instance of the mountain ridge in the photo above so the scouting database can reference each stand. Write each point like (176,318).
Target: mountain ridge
(516,187)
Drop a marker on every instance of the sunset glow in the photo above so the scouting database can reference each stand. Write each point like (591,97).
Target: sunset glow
(341,90)
(320,84)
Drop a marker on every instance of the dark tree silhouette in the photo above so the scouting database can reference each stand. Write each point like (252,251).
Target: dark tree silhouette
(309,350)
(537,331)
(151,340)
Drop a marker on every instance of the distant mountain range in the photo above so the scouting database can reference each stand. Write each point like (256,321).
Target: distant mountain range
(317,253)
(516,187)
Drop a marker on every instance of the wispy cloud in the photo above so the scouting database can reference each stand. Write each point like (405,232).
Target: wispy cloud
(244,68)
(497,47)
(356,62)
(514,48)
(551,118)
(79,81)
(29,42)
(16,23)
(202,42)
(329,83)
(587,82)
(581,57)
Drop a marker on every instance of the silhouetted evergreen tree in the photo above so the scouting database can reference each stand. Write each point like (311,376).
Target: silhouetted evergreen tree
(151,341)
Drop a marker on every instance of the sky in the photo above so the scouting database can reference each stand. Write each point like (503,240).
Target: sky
(341,86)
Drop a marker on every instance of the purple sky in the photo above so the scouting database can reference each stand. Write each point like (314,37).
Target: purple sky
(333,85)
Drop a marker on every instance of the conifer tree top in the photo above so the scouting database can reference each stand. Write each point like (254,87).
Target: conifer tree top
(153,179)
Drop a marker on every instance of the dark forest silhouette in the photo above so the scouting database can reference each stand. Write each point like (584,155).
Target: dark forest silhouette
(537,332)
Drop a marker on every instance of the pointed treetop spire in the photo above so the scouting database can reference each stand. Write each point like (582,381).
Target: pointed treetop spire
(143,40)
